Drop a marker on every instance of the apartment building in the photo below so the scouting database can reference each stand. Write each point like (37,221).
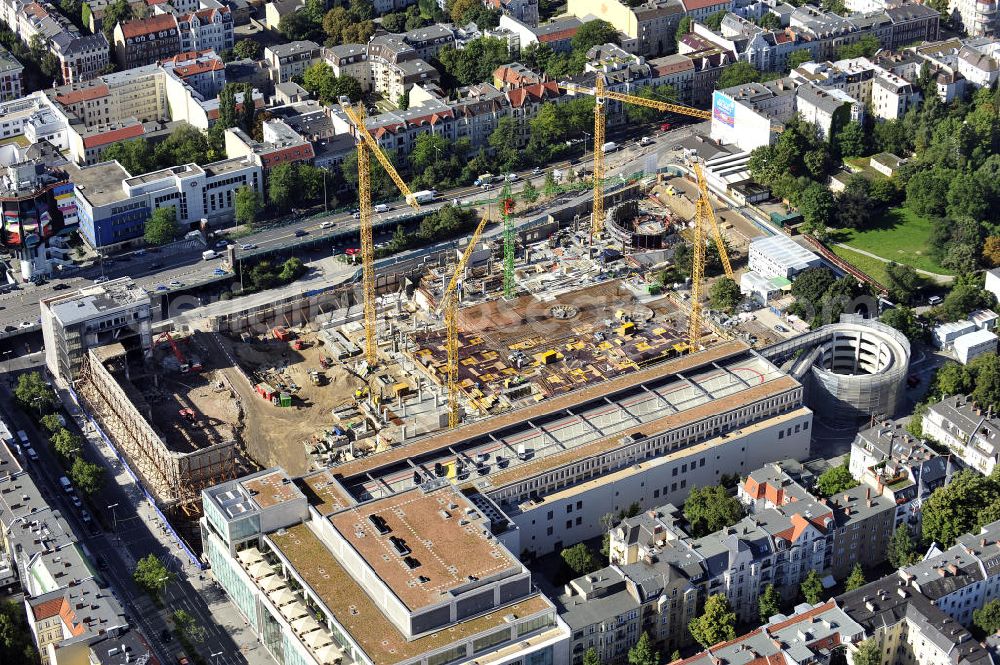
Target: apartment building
(525,11)
(557,33)
(81,57)
(113,99)
(280,145)
(699,10)
(423,576)
(11,76)
(751,115)
(350,60)
(810,635)
(429,41)
(649,27)
(290,59)
(72,616)
(609,609)
(899,467)
(659,576)
(827,108)
(146,41)
(969,431)
(676,71)
(208,29)
(977,18)
(908,628)
(200,71)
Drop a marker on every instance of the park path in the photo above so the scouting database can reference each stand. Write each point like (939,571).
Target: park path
(937,277)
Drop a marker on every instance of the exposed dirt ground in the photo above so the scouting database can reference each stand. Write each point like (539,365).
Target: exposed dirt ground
(276,435)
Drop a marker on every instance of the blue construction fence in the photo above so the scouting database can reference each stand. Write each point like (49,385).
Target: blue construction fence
(138,481)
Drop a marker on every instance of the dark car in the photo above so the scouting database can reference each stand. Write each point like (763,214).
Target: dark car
(155,266)
(165,635)
(301,232)
(61,286)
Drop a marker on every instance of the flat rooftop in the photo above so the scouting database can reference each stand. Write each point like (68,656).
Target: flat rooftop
(425,545)
(557,405)
(362,619)
(506,449)
(100,184)
(97,300)
(271,489)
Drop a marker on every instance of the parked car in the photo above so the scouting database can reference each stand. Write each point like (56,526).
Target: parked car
(101,279)
(248,246)
(61,286)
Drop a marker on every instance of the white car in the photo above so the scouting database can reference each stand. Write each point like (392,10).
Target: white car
(326,225)
(511,177)
(101,279)
(32,455)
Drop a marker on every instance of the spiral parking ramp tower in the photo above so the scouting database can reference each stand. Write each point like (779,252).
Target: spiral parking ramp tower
(851,370)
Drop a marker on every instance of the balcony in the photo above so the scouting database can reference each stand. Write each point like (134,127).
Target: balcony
(292,607)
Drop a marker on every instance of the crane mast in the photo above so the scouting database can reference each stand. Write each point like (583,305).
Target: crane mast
(368,146)
(450,301)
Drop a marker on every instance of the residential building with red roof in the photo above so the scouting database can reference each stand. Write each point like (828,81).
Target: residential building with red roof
(526,101)
(146,41)
(699,10)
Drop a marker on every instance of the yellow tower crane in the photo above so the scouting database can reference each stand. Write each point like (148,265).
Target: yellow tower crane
(704,211)
(449,300)
(600,96)
(367,146)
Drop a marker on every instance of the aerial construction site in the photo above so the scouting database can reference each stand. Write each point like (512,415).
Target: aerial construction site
(494,327)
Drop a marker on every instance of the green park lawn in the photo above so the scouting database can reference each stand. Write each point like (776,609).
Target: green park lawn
(897,235)
(873,267)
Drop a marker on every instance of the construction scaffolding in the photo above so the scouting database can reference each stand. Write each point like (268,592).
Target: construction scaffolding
(174,479)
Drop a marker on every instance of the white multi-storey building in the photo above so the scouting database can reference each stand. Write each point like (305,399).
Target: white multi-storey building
(969,430)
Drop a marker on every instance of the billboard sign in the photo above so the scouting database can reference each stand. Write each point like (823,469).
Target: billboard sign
(723,109)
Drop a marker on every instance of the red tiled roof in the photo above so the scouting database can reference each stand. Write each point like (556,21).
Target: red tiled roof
(199,68)
(663,70)
(36,10)
(148,26)
(188,55)
(105,138)
(47,609)
(557,36)
(68,616)
(75,96)
(535,91)
(283,155)
(692,5)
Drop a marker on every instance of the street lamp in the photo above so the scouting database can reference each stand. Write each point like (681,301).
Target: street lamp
(588,137)
(114,518)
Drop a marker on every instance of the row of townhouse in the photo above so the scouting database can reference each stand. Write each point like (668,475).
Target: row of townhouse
(820,32)
(72,615)
(81,57)
(163,35)
(660,576)
(959,66)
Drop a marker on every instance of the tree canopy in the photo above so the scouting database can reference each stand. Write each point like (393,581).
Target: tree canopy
(725,295)
(987,617)
(86,476)
(717,622)
(738,73)
(580,559)
(961,507)
(812,588)
(151,575)
(161,227)
(33,395)
(643,652)
(835,480)
(476,62)
(856,579)
(769,603)
(901,551)
(708,509)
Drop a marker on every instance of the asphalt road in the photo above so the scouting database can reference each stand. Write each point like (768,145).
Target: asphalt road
(156,270)
(123,537)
